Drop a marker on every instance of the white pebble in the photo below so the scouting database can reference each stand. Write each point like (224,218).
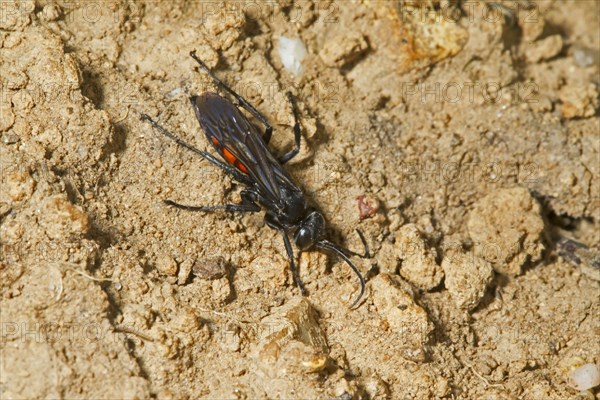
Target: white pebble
(291,52)
(585,377)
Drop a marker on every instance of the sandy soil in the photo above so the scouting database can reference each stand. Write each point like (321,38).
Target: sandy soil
(471,126)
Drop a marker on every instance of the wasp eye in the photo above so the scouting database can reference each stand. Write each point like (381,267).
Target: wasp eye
(304,238)
(309,231)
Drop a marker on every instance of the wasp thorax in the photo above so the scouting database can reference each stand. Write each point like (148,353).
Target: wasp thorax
(310,230)
(294,206)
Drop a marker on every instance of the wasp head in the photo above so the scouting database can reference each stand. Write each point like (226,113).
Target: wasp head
(309,230)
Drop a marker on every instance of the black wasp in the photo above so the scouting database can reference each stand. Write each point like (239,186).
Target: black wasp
(268,185)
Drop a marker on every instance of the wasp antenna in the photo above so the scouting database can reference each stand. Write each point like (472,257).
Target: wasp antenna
(327,245)
(204,66)
(367,254)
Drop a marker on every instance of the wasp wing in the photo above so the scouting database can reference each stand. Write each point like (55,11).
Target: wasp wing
(229,130)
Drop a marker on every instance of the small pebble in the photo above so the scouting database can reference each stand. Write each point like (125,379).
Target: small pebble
(10,138)
(210,269)
(585,377)
(467,277)
(292,341)
(166,265)
(291,51)
(51,12)
(418,265)
(584,57)
(184,271)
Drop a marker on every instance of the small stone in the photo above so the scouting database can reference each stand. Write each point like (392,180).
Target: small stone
(221,290)
(10,138)
(442,387)
(345,389)
(387,259)
(171,346)
(210,268)
(581,256)
(224,28)
(19,186)
(343,48)
(432,35)
(485,365)
(583,56)
(16,80)
(585,377)
(51,12)
(507,228)
(544,49)
(408,321)
(578,101)
(376,179)
(166,265)
(414,354)
(12,41)
(467,277)
(137,317)
(184,271)
(186,321)
(418,261)
(291,52)
(292,341)
(376,387)
(51,139)
(61,218)
(5,208)
(230,338)
(532,26)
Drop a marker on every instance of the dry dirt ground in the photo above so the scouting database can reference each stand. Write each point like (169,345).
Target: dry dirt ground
(470,128)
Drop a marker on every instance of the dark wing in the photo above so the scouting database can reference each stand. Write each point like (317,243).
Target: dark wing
(239,141)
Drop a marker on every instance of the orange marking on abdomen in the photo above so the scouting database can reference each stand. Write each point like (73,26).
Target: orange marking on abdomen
(228,155)
(232,159)
(241,167)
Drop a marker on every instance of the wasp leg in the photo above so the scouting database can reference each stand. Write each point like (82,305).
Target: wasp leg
(242,101)
(224,207)
(293,267)
(288,248)
(240,177)
(247,205)
(297,133)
